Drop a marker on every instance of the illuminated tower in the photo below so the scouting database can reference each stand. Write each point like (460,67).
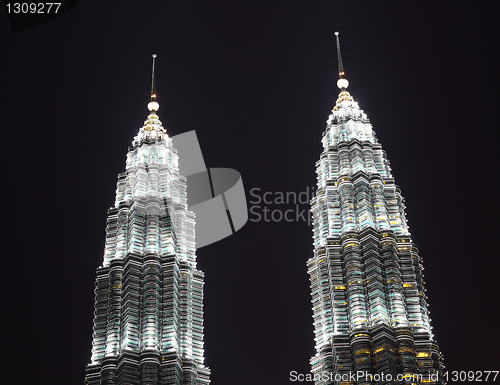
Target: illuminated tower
(148,320)
(369,303)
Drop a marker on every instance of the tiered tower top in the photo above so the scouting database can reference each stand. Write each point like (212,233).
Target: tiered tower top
(152,128)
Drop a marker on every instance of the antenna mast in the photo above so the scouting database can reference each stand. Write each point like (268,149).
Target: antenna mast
(153,94)
(339,57)
(153,104)
(342,83)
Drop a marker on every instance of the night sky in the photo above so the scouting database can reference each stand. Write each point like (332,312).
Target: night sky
(257,81)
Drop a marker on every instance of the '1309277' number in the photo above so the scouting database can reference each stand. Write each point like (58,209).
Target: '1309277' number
(33,7)
(463,376)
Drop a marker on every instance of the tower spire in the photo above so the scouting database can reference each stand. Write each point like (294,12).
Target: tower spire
(153,95)
(153,104)
(342,83)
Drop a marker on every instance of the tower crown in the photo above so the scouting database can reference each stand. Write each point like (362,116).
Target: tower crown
(345,107)
(152,128)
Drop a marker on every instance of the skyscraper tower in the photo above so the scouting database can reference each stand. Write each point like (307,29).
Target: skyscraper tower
(371,322)
(148,320)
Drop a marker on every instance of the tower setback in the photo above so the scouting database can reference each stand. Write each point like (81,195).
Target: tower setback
(371,322)
(148,320)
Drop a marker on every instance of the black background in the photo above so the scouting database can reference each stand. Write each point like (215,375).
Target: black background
(256,80)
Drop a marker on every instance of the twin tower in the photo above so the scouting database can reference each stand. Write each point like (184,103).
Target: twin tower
(371,323)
